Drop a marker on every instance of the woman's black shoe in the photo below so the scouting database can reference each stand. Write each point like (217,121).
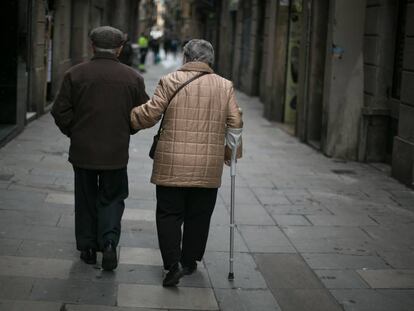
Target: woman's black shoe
(189,269)
(109,258)
(173,276)
(88,256)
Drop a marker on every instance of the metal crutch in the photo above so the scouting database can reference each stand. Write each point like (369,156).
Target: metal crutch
(233,138)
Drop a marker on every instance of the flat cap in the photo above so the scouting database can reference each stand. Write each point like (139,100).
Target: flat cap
(107,37)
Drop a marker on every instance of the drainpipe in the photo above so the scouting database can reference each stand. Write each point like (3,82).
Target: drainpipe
(308,43)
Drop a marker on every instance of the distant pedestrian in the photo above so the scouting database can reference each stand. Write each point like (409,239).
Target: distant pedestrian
(143,51)
(92,108)
(154,45)
(189,157)
(167,46)
(174,47)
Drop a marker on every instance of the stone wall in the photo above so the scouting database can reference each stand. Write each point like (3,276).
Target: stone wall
(379,46)
(224,64)
(250,46)
(344,77)
(403,152)
(268,92)
(38,58)
(61,45)
(310,123)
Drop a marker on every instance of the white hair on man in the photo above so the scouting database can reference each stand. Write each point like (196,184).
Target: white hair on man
(199,50)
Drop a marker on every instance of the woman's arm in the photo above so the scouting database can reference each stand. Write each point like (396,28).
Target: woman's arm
(234,120)
(234,117)
(148,114)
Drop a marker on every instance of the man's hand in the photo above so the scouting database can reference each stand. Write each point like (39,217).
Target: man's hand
(227,162)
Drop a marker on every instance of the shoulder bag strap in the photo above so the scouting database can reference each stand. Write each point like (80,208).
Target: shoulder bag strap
(175,93)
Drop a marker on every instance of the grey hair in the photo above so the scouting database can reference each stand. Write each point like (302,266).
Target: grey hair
(111,51)
(198,50)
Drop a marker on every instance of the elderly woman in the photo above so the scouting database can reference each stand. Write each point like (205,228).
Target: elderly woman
(189,157)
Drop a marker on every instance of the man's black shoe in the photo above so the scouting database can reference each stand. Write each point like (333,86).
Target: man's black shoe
(89,256)
(173,276)
(109,258)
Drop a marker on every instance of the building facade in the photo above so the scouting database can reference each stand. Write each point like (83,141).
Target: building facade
(343,85)
(46,38)
(147,16)
(189,19)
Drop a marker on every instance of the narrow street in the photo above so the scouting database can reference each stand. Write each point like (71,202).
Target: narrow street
(313,233)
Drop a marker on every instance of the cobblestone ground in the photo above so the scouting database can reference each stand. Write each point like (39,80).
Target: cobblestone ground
(313,233)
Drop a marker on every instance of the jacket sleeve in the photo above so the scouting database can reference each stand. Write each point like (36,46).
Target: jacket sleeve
(234,120)
(62,110)
(148,114)
(141,98)
(142,94)
(234,116)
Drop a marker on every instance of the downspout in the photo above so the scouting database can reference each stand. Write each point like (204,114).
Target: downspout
(31,9)
(308,42)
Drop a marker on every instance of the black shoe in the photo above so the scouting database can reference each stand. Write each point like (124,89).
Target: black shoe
(89,256)
(189,269)
(109,258)
(173,276)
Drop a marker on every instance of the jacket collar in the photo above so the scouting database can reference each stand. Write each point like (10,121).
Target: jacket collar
(196,66)
(100,55)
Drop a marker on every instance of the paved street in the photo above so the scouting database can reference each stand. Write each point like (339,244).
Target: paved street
(313,233)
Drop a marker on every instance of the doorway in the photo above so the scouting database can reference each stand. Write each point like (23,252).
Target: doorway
(260,37)
(14,66)
(398,67)
(49,29)
(292,63)
(316,35)
(233,32)
(245,44)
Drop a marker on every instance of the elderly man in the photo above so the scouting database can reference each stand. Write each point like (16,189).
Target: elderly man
(189,157)
(93,108)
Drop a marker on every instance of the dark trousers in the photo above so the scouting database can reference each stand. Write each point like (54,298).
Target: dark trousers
(143,55)
(192,207)
(99,205)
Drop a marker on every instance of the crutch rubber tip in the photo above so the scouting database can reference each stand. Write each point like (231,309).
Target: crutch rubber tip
(231,276)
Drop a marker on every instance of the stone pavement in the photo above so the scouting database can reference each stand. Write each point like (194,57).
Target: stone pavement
(314,233)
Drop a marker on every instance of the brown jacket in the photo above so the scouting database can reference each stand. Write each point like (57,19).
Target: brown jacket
(190,152)
(93,108)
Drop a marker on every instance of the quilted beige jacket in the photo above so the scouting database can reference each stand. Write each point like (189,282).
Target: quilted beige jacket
(190,152)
